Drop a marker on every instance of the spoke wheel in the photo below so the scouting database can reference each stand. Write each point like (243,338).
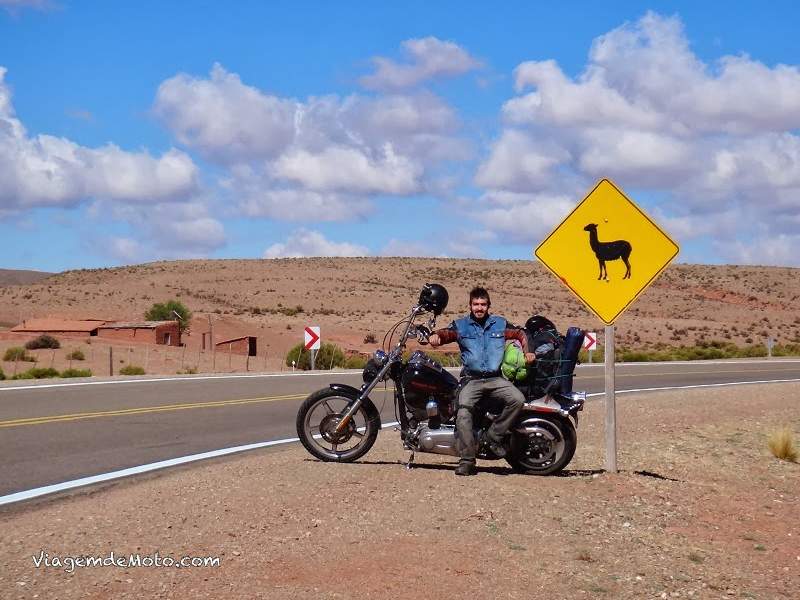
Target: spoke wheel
(317,422)
(542,445)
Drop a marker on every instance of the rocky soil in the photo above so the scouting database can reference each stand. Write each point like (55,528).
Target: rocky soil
(699,509)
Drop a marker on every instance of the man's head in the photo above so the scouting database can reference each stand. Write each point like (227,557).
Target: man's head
(479,302)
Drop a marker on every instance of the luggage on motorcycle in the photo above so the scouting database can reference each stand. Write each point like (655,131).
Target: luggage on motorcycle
(556,356)
(514,367)
(544,341)
(573,342)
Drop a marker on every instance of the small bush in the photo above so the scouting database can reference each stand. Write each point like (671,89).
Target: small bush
(328,356)
(16,353)
(356,361)
(43,341)
(23,375)
(781,444)
(37,373)
(2,375)
(370,339)
(188,371)
(76,373)
(131,370)
(76,355)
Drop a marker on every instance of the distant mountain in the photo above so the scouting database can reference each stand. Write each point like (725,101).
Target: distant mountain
(355,298)
(17,277)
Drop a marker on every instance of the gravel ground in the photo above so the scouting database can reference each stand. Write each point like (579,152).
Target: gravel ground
(700,509)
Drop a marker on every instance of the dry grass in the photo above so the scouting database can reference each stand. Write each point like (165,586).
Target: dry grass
(781,444)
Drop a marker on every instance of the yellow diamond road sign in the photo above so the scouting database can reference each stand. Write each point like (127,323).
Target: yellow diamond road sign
(607,251)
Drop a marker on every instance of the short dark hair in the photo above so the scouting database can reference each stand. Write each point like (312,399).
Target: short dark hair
(479,292)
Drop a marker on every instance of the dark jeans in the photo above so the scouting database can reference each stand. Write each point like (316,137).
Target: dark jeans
(494,388)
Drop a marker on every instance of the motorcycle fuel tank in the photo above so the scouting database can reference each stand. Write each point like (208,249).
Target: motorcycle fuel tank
(424,378)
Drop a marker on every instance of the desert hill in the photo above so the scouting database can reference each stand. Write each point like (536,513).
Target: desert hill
(353,298)
(19,277)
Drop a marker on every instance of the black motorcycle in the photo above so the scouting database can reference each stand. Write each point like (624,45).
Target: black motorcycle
(340,423)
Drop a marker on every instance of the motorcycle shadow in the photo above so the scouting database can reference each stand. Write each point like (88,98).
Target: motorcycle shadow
(452,465)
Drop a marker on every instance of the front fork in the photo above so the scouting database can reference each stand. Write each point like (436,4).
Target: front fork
(353,407)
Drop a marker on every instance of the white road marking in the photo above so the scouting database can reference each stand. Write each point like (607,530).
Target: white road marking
(34,386)
(76,483)
(162,379)
(162,464)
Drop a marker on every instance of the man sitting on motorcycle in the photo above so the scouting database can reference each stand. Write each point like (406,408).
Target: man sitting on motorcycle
(481,338)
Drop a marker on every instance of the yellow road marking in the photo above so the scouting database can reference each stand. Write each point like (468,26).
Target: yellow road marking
(142,410)
(146,409)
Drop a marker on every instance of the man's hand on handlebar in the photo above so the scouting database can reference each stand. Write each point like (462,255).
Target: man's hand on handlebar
(530,357)
(434,340)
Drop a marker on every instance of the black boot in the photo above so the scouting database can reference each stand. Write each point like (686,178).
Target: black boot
(466,467)
(493,446)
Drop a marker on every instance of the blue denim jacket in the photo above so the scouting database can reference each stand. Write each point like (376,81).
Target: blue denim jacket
(481,346)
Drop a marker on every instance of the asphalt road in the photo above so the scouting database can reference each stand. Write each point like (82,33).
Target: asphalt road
(60,433)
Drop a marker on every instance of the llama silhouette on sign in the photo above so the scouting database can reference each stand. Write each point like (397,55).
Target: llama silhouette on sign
(608,251)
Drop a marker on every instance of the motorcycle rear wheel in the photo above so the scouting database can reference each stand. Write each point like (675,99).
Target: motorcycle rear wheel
(546,448)
(318,417)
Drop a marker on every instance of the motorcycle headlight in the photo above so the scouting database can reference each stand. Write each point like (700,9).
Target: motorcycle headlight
(370,371)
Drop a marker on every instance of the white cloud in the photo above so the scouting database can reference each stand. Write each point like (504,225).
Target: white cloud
(347,169)
(167,230)
(522,218)
(125,250)
(223,118)
(518,163)
(50,171)
(304,242)
(646,111)
(781,249)
(324,157)
(254,194)
(429,58)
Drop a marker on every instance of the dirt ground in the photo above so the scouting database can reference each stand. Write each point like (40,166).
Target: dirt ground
(699,509)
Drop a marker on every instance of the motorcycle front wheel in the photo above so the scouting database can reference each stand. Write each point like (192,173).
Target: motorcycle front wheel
(321,413)
(542,445)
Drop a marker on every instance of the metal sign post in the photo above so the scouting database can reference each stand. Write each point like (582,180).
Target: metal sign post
(312,342)
(611,403)
(607,251)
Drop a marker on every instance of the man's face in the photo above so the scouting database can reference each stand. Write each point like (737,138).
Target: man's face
(479,307)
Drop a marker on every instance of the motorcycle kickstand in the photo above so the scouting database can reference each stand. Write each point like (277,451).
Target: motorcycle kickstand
(410,461)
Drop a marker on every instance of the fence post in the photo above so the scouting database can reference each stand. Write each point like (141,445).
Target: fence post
(111,361)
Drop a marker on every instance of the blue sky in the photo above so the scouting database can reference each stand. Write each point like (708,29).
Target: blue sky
(132,132)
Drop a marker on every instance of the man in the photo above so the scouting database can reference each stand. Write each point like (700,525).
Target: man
(481,338)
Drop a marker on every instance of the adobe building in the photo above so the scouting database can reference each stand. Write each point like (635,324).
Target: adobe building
(56,326)
(167,333)
(245,345)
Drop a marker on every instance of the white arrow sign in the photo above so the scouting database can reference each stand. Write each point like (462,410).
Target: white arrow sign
(312,338)
(590,341)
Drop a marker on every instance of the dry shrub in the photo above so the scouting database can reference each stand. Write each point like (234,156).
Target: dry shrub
(781,444)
